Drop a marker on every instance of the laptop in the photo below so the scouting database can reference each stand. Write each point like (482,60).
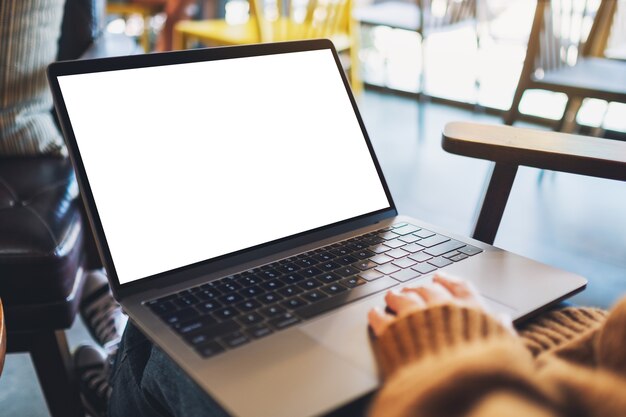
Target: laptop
(246,226)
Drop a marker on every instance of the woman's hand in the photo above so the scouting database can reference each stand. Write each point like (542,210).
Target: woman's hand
(443,290)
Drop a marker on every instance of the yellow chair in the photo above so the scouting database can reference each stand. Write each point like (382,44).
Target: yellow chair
(146,11)
(318,19)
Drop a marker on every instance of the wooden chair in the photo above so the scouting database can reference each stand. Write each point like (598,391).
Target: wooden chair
(284,22)
(422,16)
(564,55)
(510,147)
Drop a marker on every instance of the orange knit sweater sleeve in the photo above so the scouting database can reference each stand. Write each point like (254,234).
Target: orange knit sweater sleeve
(454,361)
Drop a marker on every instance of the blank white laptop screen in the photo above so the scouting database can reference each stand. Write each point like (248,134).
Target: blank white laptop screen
(192,161)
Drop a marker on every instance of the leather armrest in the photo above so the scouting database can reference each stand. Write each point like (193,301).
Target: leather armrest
(555,151)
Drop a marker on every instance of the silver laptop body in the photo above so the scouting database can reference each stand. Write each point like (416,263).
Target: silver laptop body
(203,170)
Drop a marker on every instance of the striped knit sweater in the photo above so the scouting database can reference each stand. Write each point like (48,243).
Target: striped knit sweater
(453,361)
(29,32)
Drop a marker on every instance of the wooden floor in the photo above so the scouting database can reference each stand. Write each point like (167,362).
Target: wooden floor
(568,221)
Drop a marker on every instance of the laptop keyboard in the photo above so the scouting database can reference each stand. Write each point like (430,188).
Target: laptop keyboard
(234,310)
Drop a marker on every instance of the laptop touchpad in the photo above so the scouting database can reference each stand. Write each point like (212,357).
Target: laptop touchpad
(285,375)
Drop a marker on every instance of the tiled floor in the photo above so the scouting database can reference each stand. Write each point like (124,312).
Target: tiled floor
(572,222)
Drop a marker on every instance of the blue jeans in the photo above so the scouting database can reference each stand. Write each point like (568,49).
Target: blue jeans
(146,383)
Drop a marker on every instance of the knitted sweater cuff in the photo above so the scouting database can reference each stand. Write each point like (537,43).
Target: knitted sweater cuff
(556,328)
(433,331)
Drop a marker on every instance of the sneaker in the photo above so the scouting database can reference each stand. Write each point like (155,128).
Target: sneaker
(92,369)
(101,314)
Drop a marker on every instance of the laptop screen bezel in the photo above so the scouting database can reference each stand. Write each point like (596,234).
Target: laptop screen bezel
(207,266)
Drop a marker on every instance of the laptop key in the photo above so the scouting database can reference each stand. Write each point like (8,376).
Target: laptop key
(459,257)
(424,233)
(388,235)
(404,262)
(310,284)
(251,280)
(291,278)
(192,326)
(406,229)
(269,298)
(387,269)
(333,289)
(306,262)
(381,259)
(397,253)
(285,320)
(252,291)
(248,305)
(329,265)
(208,306)
(163,307)
(197,339)
(186,301)
(373,240)
(346,271)
(381,248)
(290,291)
(346,260)
(432,241)
(324,256)
(409,238)
(273,284)
(363,253)
(180,315)
(231,298)
(250,318)
(370,274)
(361,291)
(328,277)
(270,274)
(226,313)
(413,248)
(210,349)
(470,250)
(442,248)
(310,272)
(364,265)
(340,251)
(258,331)
(294,302)
(424,268)
(405,275)
(355,281)
(440,262)
(219,329)
(272,311)
(229,287)
(235,339)
(288,268)
(208,294)
(314,296)
(453,254)
(420,257)
(393,244)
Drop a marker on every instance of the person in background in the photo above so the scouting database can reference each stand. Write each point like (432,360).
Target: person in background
(175,11)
